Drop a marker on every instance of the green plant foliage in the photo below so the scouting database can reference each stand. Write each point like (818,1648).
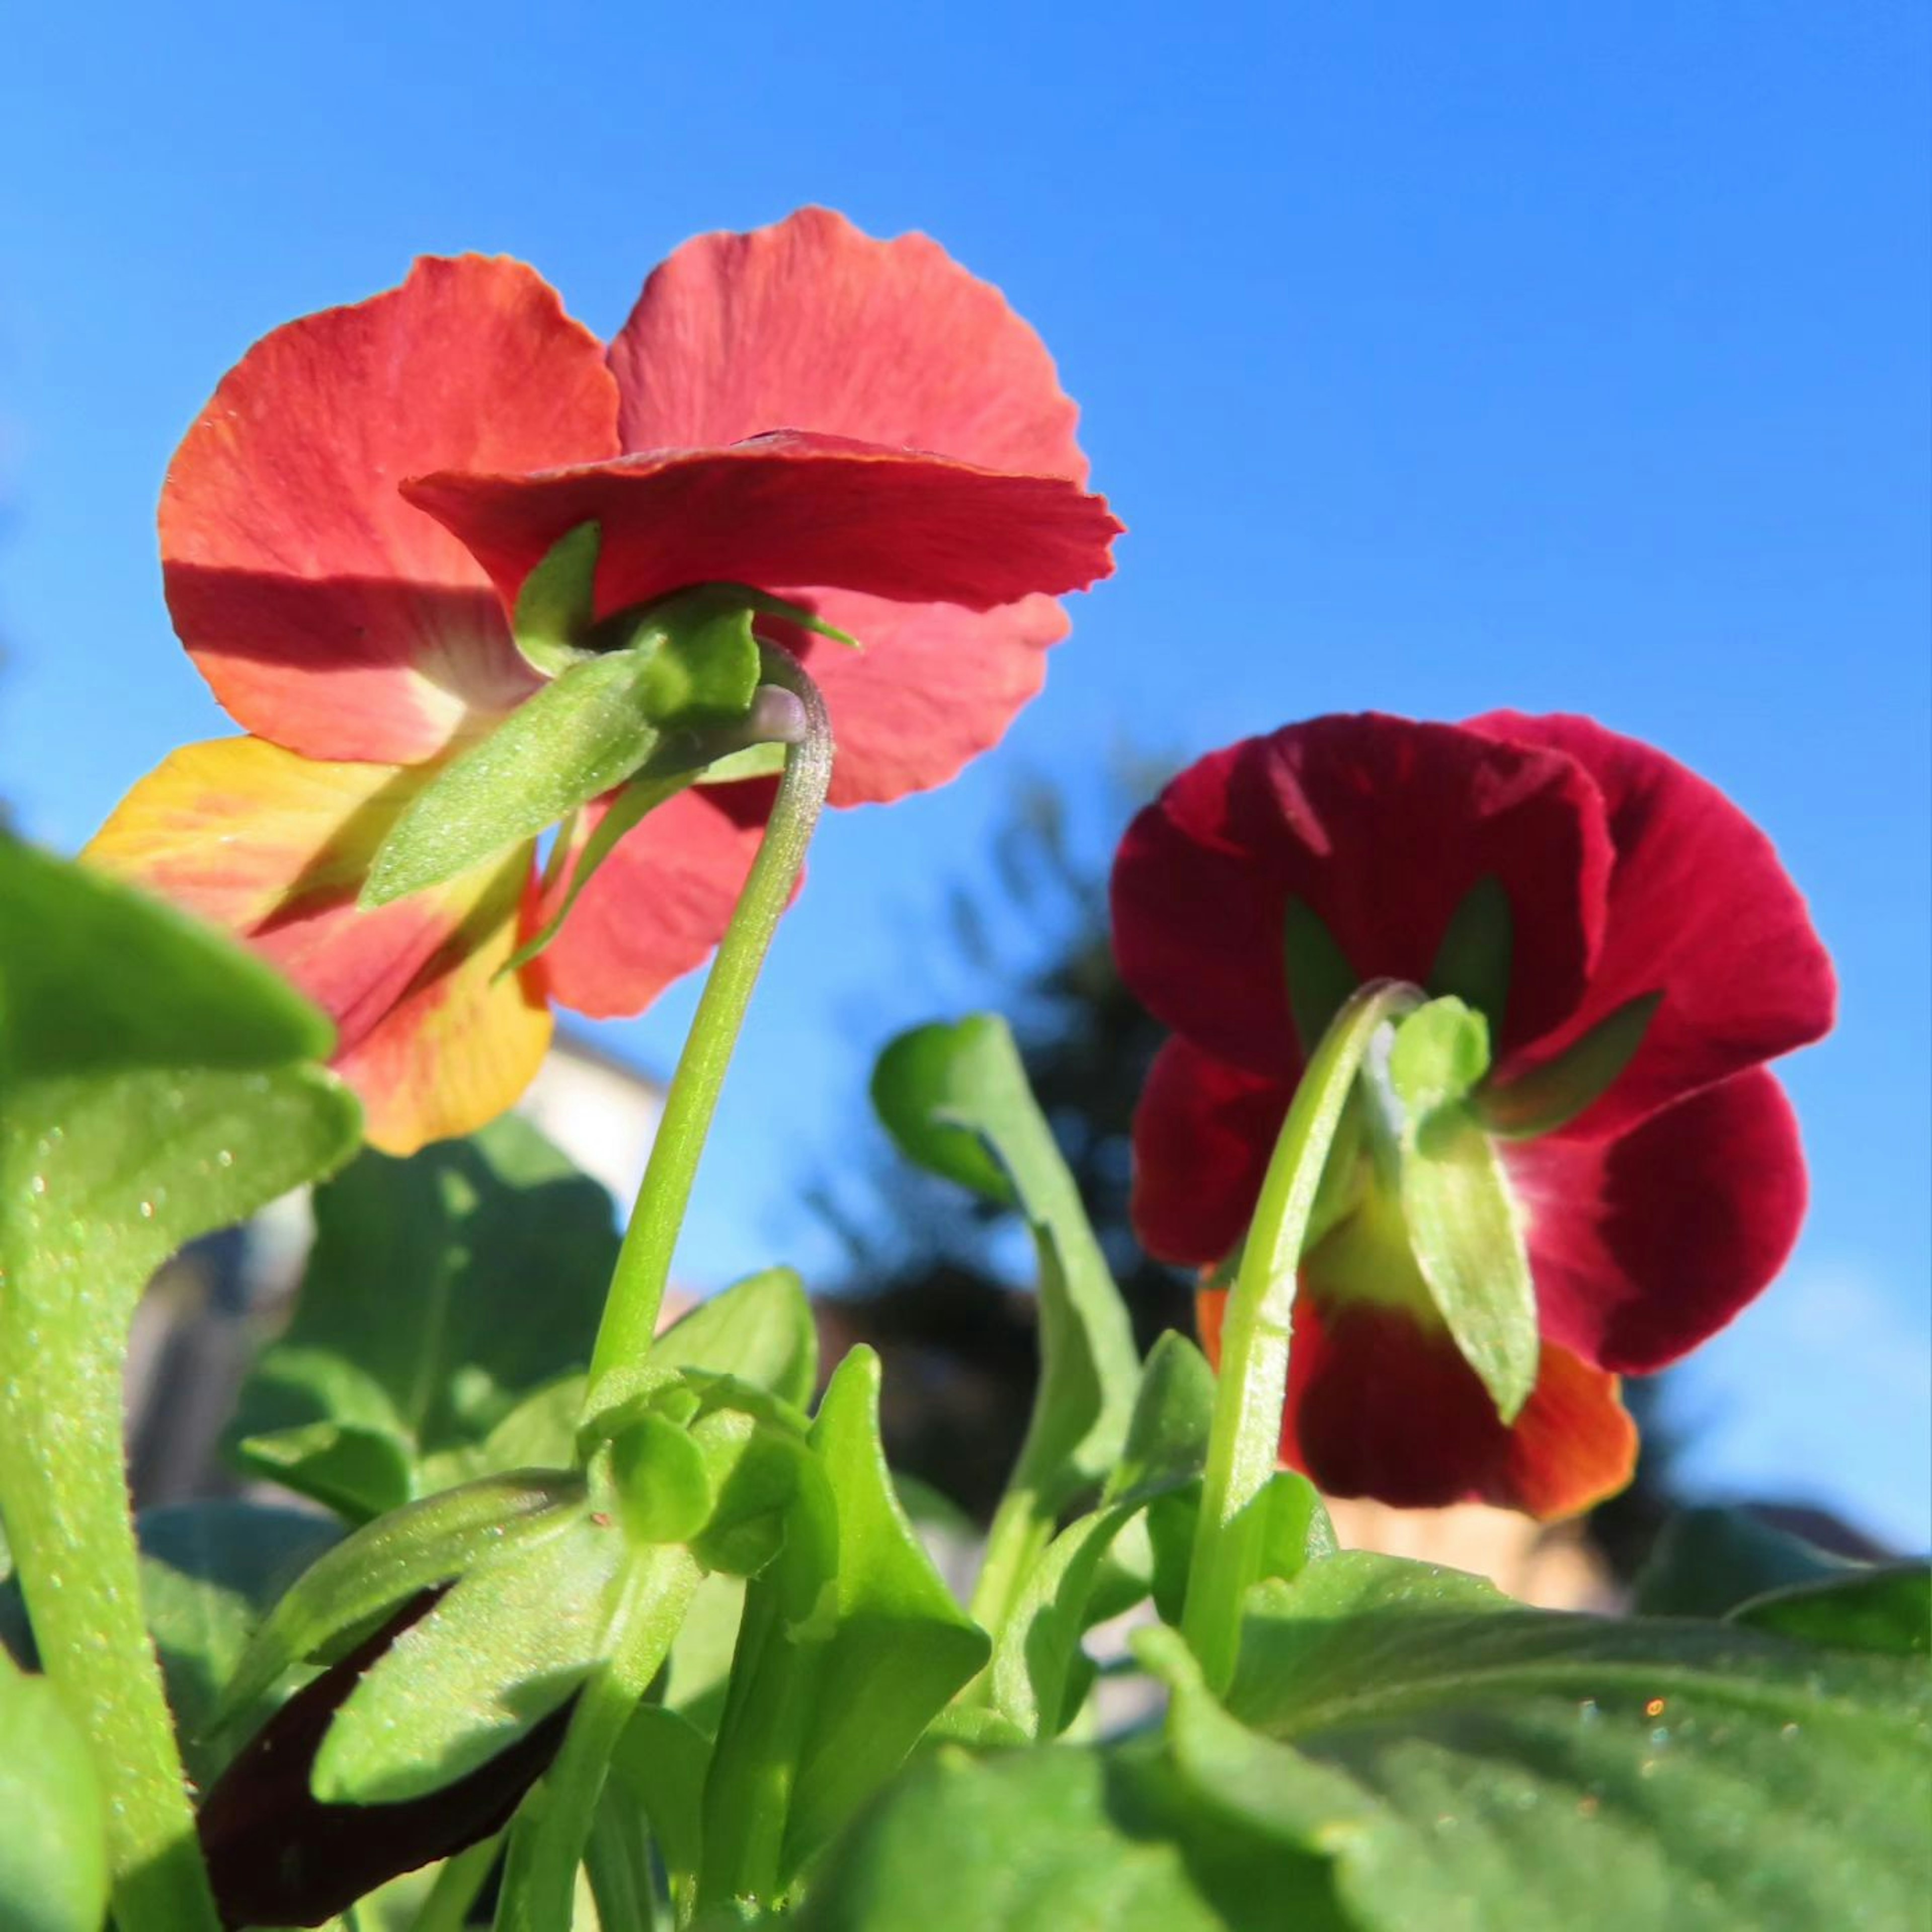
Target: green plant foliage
(53,1845)
(210,1570)
(508,1644)
(1470,1764)
(759,1330)
(156,1082)
(956,1100)
(1045,1841)
(442,1291)
(1886,1608)
(1708,1561)
(354,1586)
(850,1644)
(557,603)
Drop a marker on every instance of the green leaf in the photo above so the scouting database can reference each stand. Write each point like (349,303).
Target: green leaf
(1888,1608)
(662,1761)
(1708,1561)
(759,1330)
(586,731)
(1051,1840)
(850,1644)
(1468,1242)
(53,1849)
(156,1082)
(1478,1767)
(1320,978)
(557,605)
(354,1586)
(210,1571)
(1554,1094)
(507,1646)
(442,1290)
(1473,960)
(956,1099)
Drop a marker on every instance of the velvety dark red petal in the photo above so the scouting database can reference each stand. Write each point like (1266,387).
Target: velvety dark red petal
(659,904)
(809,324)
(1204,1131)
(788,508)
(329,616)
(1699,907)
(1382,826)
(1644,1246)
(1379,1406)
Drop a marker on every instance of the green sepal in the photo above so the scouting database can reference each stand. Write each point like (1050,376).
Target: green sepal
(702,666)
(557,604)
(587,730)
(353,1586)
(635,800)
(1554,1094)
(1473,960)
(1320,978)
(1460,1216)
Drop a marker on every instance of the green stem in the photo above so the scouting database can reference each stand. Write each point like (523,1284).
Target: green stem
(547,1840)
(64,1491)
(643,1264)
(1243,1446)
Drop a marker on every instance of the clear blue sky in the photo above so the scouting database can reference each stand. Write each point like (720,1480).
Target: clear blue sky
(1553,355)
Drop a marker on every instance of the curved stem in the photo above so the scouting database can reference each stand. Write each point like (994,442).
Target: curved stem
(1243,1445)
(643,1263)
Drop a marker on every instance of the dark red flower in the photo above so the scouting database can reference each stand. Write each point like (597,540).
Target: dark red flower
(855,426)
(1603,871)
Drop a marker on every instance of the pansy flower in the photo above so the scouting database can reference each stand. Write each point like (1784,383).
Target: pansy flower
(1637,953)
(857,428)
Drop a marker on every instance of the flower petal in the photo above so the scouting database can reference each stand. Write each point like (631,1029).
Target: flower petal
(274,847)
(934,685)
(788,508)
(1203,1132)
(809,324)
(1377,1406)
(460,1045)
(1699,907)
(1644,1245)
(659,903)
(328,614)
(1382,825)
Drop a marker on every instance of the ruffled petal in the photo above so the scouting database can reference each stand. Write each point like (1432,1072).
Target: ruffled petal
(274,848)
(1646,1245)
(1380,1406)
(659,903)
(810,324)
(788,508)
(1699,907)
(934,686)
(327,613)
(1382,827)
(460,1045)
(1204,1131)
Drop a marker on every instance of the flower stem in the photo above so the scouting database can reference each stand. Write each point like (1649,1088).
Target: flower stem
(1244,1444)
(643,1263)
(64,1490)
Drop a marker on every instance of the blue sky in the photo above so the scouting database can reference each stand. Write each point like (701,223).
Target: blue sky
(1557,354)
